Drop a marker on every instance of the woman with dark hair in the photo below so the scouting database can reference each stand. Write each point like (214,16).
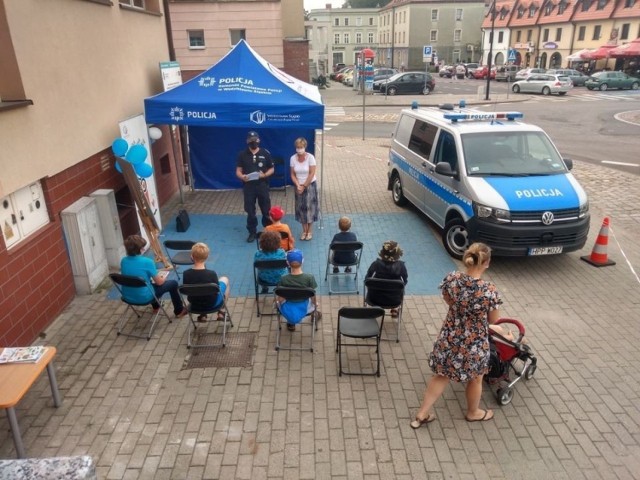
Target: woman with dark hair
(389,266)
(461,351)
(138,265)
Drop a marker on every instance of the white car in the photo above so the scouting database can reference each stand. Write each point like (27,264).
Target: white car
(544,83)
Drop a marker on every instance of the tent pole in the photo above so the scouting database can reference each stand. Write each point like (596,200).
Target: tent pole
(176,161)
(322,179)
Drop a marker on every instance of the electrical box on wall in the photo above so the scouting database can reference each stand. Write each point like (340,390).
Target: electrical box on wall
(22,213)
(110,222)
(83,234)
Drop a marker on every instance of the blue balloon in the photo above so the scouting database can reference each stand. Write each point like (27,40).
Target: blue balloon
(118,168)
(143,170)
(137,154)
(119,147)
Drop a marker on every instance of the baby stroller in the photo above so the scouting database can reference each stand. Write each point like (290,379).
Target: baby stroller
(508,356)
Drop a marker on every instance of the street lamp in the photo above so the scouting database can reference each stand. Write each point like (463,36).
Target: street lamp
(489,60)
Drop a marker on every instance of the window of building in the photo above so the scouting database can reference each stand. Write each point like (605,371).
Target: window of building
(629,3)
(358,21)
(456,56)
(562,6)
(345,38)
(558,34)
(346,21)
(624,33)
(434,35)
(529,35)
(596,32)
(518,36)
(434,14)
(145,5)
(133,3)
(336,39)
(456,35)
(404,17)
(336,22)
(547,9)
(358,37)
(22,213)
(582,31)
(458,14)
(586,5)
(370,21)
(236,35)
(601,4)
(503,14)
(371,38)
(11,87)
(532,11)
(545,35)
(520,12)
(500,36)
(196,39)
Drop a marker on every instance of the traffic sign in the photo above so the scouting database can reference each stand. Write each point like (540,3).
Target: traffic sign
(427,51)
(512,55)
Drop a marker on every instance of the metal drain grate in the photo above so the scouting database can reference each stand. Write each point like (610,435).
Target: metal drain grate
(237,353)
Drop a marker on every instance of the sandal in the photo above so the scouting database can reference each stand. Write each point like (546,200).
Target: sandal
(221,316)
(291,327)
(418,422)
(488,415)
(309,236)
(202,318)
(394,312)
(303,236)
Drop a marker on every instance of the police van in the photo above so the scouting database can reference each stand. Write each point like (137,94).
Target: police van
(487,177)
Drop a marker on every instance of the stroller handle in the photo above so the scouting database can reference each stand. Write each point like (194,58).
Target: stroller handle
(515,322)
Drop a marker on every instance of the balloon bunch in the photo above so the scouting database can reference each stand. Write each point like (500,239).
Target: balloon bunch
(136,156)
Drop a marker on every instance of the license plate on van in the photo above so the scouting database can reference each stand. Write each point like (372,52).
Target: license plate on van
(545,250)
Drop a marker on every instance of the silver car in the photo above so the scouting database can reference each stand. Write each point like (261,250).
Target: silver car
(577,78)
(543,83)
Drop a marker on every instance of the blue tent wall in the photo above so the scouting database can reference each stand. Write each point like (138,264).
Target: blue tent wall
(214,152)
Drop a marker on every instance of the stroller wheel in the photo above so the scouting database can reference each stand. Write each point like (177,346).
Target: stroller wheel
(504,396)
(530,371)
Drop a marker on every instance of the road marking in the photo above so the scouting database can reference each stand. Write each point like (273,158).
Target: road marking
(622,164)
(334,111)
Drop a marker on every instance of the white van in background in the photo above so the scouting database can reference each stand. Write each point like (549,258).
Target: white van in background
(487,177)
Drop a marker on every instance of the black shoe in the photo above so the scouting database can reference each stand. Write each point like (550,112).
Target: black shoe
(336,270)
(251,238)
(347,270)
(264,290)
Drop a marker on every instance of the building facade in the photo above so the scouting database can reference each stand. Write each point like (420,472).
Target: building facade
(61,102)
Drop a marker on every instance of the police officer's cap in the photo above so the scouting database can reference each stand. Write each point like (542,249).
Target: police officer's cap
(252,135)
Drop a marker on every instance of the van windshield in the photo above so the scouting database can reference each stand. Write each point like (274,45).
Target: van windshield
(511,154)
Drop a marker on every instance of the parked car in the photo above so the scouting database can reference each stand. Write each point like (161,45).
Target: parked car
(407,82)
(525,72)
(382,73)
(340,75)
(471,67)
(347,78)
(461,71)
(446,71)
(333,75)
(543,83)
(506,73)
(606,80)
(578,78)
(480,73)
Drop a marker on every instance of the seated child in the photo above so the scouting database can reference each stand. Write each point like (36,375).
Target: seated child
(507,333)
(296,278)
(200,274)
(138,265)
(270,250)
(344,235)
(275,214)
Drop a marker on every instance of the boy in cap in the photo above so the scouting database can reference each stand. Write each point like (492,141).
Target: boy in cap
(275,214)
(254,166)
(298,279)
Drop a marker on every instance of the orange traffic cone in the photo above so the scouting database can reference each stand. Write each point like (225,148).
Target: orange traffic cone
(598,256)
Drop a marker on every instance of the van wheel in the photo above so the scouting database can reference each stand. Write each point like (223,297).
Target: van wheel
(396,192)
(455,238)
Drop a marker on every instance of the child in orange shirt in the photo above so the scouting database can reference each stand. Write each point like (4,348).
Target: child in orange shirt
(287,241)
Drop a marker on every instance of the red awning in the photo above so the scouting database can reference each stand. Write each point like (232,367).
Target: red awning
(602,52)
(631,49)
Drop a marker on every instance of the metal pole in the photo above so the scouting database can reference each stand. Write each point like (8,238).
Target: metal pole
(490,58)
(364,94)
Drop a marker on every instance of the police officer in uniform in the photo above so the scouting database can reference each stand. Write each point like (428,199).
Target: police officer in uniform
(253,168)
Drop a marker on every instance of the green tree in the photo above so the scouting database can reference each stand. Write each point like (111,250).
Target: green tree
(365,3)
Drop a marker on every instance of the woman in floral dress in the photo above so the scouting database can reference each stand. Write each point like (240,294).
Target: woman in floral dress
(461,351)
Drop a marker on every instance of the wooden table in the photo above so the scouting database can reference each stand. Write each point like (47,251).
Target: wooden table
(16,380)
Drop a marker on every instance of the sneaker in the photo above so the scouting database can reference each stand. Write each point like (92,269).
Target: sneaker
(336,270)
(347,270)
(251,238)
(182,313)
(291,327)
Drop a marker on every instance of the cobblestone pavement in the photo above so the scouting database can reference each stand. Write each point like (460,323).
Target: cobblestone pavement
(140,414)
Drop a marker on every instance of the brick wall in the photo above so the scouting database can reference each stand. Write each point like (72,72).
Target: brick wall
(296,58)
(36,281)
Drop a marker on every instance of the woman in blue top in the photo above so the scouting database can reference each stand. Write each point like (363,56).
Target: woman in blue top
(139,266)
(270,250)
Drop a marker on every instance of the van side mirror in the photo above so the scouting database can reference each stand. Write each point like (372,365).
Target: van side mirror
(568,162)
(443,168)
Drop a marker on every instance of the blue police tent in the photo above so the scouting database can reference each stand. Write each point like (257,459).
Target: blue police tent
(241,92)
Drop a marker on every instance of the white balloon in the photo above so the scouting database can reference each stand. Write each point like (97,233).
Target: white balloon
(155,133)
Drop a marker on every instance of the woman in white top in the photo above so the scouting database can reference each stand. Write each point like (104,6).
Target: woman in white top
(303,175)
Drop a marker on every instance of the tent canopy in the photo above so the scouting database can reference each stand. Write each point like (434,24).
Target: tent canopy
(579,55)
(241,92)
(631,49)
(599,53)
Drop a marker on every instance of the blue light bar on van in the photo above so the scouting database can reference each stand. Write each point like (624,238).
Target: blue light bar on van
(455,116)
